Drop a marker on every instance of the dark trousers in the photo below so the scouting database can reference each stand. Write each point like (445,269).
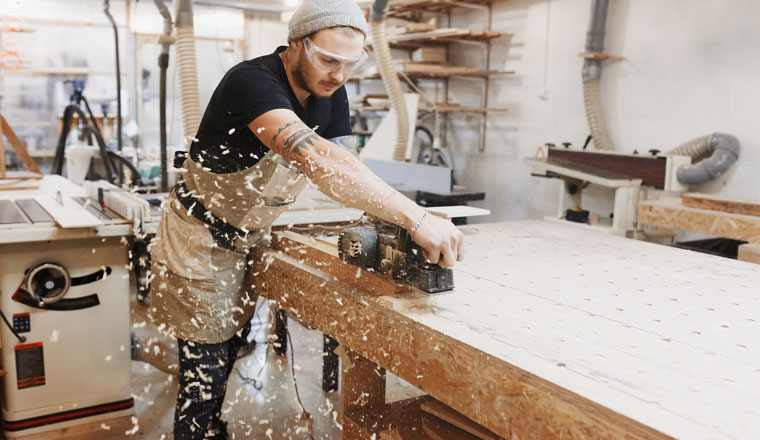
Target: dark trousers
(203,373)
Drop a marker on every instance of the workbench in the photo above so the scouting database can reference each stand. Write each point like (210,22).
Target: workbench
(552,332)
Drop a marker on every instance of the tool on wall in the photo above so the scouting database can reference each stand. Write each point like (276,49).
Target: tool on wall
(387,248)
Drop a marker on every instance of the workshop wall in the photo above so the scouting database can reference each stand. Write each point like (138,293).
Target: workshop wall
(688,71)
(62,35)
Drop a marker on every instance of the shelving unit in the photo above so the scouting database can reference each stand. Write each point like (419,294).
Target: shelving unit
(413,10)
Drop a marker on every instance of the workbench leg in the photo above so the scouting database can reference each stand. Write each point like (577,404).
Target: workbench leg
(280,332)
(362,383)
(330,364)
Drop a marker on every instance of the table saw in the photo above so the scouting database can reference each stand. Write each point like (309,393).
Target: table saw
(551,332)
(65,294)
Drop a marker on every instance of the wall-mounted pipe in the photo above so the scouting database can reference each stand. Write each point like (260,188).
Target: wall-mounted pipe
(187,69)
(592,74)
(106,10)
(722,149)
(163,64)
(390,79)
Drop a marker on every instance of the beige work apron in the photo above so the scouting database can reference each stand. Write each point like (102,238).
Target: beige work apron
(200,291)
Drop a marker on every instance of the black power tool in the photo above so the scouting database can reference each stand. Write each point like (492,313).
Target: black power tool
(388,248)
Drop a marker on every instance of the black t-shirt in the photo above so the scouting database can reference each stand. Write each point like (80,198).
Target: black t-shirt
(248,90)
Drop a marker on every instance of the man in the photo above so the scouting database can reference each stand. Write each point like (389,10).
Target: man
(271,123)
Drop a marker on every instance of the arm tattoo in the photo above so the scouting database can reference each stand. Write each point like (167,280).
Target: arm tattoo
(296,144)
(346,142)
(283,128)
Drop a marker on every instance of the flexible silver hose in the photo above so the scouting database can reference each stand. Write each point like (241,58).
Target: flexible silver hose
(697,148)
(390,79)
(188,81)
(722,149)
(719,151)
(596,123)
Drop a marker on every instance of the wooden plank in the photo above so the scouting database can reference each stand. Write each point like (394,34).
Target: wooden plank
(442,74)
(447,414)
(600,56)
(68,213)
(749,252)
(18,147)
(484,388)
(458,211)
(18,180)
(669,212)
(720,203)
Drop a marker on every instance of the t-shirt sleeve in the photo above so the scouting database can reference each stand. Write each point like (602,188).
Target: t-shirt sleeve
(340,125)
(252,92)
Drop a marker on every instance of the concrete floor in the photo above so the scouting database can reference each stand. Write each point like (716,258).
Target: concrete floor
(270,412)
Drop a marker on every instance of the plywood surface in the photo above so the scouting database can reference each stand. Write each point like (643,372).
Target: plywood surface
(664,336)
(573,334)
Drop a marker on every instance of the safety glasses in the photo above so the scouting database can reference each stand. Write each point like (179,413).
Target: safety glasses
(331,62)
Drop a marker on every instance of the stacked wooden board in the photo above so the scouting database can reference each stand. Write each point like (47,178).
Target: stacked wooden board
(738,219)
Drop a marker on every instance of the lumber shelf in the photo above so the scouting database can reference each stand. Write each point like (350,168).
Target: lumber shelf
(442,36)
(671,212)
(439,107)
(720,203)
(442,73)
(554,331)
(404,7)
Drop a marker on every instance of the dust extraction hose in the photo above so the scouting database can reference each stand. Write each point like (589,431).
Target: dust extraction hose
(388,73)
(597,125)
(187,69)
(592,73)
(163,64)
(118,74)
(722,149)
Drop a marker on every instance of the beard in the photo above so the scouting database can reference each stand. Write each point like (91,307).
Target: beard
(299,77)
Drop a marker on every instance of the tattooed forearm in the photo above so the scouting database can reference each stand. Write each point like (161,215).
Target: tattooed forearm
(295,146)
(346,142)
(283,128)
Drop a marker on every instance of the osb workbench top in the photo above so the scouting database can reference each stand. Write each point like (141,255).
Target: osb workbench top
(555,331)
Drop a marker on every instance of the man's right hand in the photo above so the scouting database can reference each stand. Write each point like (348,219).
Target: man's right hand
(343,177)
(441,241)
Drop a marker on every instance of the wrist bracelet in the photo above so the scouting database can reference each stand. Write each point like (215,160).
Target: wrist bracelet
(419,222)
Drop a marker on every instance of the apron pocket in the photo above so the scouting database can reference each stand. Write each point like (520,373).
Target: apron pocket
(184,248)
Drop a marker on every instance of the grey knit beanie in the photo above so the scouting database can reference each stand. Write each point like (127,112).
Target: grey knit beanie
(313,15)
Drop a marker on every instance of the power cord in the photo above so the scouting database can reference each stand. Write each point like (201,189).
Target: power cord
(257,384)
(305,415)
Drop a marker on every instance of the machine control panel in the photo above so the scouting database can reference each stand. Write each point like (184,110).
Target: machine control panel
(22,323)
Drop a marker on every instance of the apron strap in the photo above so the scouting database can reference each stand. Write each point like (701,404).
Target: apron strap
(224,234)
